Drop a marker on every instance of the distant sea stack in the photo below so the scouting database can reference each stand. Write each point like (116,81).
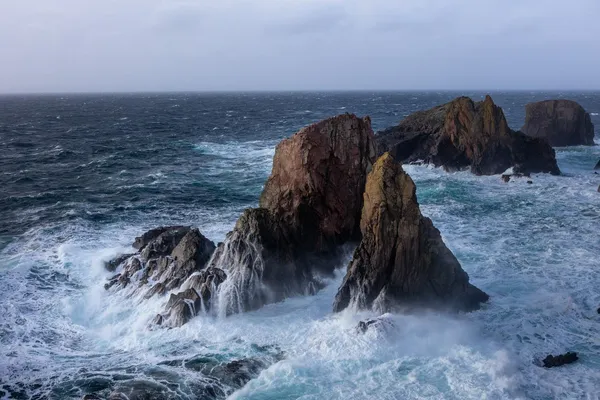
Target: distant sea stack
(465,134)
(402,261)
(561,122)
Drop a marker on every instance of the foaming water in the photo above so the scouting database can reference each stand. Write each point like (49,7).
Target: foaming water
(75,201)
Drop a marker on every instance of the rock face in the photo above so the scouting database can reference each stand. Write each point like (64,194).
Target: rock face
(311,203)
(402,260)
(561,122)
(463,134)
(167,257)
(318,177)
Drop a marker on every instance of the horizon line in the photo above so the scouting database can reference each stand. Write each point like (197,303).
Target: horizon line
(281,91)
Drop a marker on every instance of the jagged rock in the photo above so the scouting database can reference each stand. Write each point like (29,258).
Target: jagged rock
(261,263)
(556,361)
(115,263)
(463,134)
(381,323)
(402,260)
(142,241)
(196,295)
(597,165)
(206,283)
(168,257)
(561,122)
(181,308)
(165,243)
(506,178)
(310,205)
(318,177)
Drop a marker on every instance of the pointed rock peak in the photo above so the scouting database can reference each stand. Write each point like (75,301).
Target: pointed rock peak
(488,99)
(402,261)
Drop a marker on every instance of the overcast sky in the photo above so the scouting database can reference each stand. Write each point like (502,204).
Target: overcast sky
(188,45)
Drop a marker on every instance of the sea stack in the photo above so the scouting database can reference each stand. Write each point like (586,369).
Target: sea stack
(465,134)
(310,205)
(561,122)
(401,261)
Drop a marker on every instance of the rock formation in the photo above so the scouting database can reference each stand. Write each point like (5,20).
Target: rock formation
(166,257)
(561,122)
(463,134)
(402,260)
(310,205)
(562,359)
(597,165)
(318,177)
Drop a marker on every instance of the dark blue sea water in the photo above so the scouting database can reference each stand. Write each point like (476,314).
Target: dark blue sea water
(82,175)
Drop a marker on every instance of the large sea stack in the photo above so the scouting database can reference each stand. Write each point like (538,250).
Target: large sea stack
(561,122)
(402,261)
(462,134)
(310,205)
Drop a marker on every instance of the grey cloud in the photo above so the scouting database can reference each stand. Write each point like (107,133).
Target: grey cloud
(112,45)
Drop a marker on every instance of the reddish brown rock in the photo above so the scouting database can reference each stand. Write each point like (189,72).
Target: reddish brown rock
(311,203)
(402,261)
(318,179)
(463,134)
(561,122)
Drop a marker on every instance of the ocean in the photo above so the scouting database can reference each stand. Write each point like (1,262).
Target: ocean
(82,175)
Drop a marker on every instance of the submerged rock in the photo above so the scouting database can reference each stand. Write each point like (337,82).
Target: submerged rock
(463,134)
(561,122)
(402,260)
(379,323)
(556,361)
(310,205)
(167,257)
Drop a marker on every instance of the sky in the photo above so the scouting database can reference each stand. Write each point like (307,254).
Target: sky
(213,45)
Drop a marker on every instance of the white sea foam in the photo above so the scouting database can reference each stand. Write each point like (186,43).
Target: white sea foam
(533,248)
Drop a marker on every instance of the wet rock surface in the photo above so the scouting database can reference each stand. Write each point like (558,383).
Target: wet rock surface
(167,257)
(464,134)
(562,359)
(402,261)
(310,205)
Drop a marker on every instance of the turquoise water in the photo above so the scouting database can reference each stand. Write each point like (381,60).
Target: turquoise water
(79,188)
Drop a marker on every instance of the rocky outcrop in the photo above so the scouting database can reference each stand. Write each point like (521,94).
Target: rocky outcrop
(315,188)
(561,122)
(402,261)
(310,205)
(464,134)
(167,257)
(562,359)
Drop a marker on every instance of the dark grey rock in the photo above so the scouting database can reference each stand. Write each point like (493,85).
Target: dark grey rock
(557,361)
(113,264)
(560,122)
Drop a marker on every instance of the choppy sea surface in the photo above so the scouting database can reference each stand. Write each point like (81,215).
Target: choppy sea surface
(82,175)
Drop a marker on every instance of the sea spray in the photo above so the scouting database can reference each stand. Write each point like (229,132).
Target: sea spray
(240,256)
